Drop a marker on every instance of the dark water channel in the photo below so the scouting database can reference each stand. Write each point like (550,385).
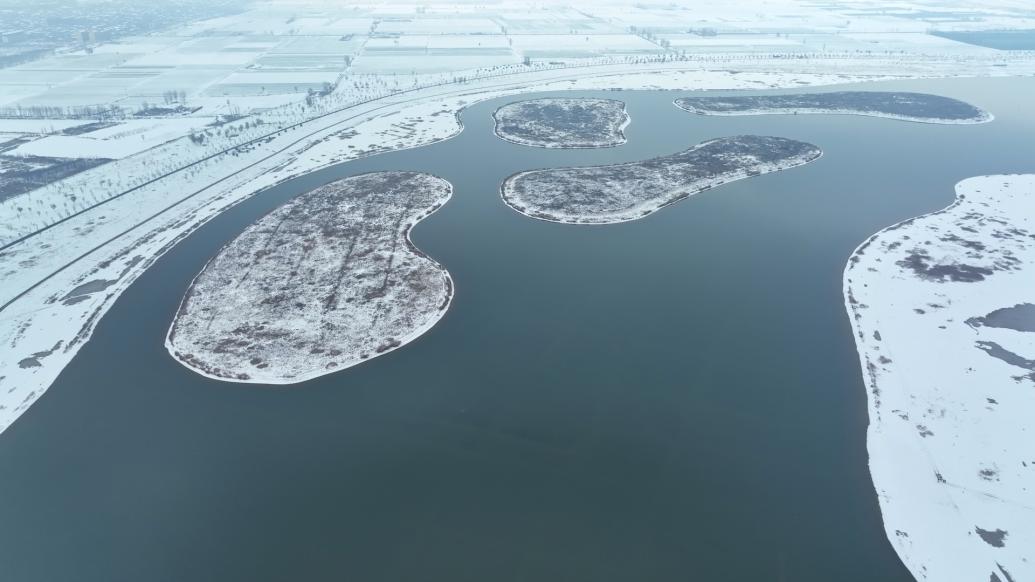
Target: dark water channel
(676,398)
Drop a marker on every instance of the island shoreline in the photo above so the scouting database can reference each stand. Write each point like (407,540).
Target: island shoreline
(400,341)
(622,139)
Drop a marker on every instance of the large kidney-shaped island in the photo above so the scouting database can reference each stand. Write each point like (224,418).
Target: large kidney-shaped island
(324,282)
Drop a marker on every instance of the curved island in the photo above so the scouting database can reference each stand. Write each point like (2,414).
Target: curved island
(622,192)
(943,310)
(569,123)
(322,283)
(919,107)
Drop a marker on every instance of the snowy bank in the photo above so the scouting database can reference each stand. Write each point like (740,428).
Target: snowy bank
(941,307)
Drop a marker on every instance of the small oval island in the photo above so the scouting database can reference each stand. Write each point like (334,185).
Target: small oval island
(322,283)
(622,192)
(905,106)
(570,123)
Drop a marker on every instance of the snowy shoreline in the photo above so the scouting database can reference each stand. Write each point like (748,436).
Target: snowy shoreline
(555,127)
(233,327)
(639,197)
(949,380)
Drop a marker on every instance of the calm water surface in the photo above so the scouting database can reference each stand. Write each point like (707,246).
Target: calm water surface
(676,398)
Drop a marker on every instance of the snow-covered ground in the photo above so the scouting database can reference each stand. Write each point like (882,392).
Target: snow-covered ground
(325,282)
(623,192)
(943,309)
(118,141)
(918,107)
(563,123)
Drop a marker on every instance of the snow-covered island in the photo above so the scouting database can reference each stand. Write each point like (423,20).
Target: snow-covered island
(322,283)
(943,310)
(920,107)
(622,192)
(71,247)
(563,123)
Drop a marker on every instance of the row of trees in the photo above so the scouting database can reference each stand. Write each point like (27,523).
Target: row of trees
(63,112)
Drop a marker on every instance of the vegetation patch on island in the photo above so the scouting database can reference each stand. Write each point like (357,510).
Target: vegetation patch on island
(563,123)
(920,107)
(322,283)
(944,316)
(622,192)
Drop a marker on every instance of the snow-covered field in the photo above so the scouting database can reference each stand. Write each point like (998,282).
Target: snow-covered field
(563,123)
(919,107)
(325,282)
(943,310)
(623,192)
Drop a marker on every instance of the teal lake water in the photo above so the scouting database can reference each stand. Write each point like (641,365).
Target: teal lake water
(675,398)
